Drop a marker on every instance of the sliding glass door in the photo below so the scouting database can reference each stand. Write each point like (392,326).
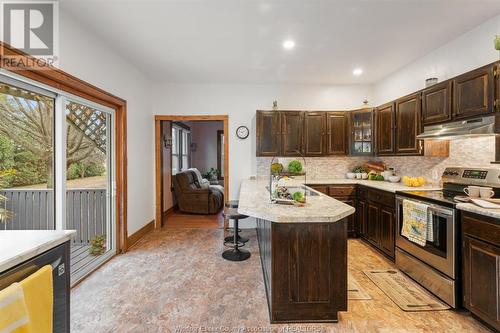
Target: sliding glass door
(57,169)
(89,184)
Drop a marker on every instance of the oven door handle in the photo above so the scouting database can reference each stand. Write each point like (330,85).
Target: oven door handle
(440,211)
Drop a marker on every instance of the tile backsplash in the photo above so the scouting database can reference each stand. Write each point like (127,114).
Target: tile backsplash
(478,152)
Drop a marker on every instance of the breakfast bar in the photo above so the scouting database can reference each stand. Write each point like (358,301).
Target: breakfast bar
(303,250)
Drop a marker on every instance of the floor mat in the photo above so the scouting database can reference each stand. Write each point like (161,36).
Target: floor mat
(405,292)
(354,290)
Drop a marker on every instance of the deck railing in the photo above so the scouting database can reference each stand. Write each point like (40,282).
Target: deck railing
(34,210)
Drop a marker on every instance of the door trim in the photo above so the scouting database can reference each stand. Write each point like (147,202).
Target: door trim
(158,165)
(24,65)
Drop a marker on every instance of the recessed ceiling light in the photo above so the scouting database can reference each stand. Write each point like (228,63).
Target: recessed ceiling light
(288,44)
(357,71)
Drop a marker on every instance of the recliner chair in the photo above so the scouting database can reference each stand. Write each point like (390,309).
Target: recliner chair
(193,197)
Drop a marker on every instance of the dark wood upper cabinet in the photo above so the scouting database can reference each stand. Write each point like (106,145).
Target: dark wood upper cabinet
(292,125)
(336,138)
(473,93)
(385,121)
(436,103)
(268,133)
(408,123)
(314,133)
(361,130)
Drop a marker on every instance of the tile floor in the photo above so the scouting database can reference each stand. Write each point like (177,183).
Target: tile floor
(175,280)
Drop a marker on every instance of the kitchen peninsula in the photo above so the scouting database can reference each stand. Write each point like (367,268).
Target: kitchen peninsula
(303,252)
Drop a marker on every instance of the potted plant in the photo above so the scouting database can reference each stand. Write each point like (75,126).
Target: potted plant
(212,174)
(97,245)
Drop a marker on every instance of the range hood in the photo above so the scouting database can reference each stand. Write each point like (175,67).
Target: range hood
(481,126)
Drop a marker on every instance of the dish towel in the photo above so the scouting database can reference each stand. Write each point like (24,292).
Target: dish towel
(39,298)
(415,221)
(13,312)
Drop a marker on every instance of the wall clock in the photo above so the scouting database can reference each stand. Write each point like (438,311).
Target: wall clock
(242,132)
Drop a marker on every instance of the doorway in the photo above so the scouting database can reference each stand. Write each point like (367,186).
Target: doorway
(181,144)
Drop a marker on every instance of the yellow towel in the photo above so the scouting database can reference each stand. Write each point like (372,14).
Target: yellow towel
(39,298)
(13,311)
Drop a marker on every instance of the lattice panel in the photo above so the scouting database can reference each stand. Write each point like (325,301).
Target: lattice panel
(90,121)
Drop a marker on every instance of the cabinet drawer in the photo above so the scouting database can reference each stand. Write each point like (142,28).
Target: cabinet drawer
(320,188)
(362,192)
(482,227)
(342,191)
(381,197)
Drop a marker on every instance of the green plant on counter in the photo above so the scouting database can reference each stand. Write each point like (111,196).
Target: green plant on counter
(276,167)
(97,245)
(295,166)
(359,169)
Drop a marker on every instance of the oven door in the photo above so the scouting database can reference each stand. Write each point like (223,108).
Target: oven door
(439,253)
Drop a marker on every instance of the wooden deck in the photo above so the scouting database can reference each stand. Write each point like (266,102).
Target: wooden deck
(80,257)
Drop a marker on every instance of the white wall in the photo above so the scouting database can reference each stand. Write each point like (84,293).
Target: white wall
(84,56)
(470,50)
(204,134)
(241,101)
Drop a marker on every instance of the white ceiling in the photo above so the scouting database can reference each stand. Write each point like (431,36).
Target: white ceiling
(240,41)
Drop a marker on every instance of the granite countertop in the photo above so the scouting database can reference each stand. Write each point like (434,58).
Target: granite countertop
(254,201)
(17,246)
(470,207)
(381,185)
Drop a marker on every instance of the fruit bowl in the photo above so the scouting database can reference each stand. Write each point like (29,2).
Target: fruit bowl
(413,181)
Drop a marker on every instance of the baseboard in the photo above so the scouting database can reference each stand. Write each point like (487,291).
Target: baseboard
(169,211)
(136,236)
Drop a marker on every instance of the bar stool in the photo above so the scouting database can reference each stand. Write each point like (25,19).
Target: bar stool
(235,253)
(234,204)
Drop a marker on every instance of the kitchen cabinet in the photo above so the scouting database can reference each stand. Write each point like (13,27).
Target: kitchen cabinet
(361,132)
(481,267)
(380,221)
(346,194)
(292,124)
(268,133)
(408,125)
(385,122)
(436,103)
(314,133)
(361,218)
(337,129)
(473,93)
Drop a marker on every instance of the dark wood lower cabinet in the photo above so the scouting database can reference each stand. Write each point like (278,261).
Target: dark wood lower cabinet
(481,267)
(60,281)
(305,270)
(377,219)
(375,216)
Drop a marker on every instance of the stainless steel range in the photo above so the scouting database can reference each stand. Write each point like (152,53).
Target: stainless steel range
(436,265)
